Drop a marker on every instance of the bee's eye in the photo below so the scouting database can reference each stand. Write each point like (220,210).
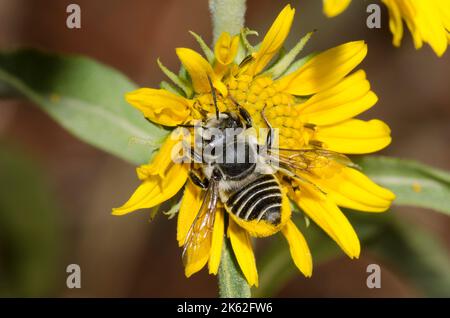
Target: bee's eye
(233,123)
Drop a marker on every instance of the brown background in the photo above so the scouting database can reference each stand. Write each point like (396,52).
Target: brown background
(128,256)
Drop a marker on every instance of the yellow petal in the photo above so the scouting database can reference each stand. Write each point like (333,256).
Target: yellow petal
(217,241)
(189,207)
(225,51)
(355,136)
(162,160)
(395,21)
(199,247)
(155,190)
(345,100)
(273,40)
(299,248)
(351,189)
(226,48)
(160,106)
(332,8)
(197,257)
(325,213)
(430,24)
(242,247)
(324,70)
(444,8)
(199,70)
(427,20)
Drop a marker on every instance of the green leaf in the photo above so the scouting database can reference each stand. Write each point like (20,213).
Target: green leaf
(85,97)
(232,283)
(409,250)
(30,229)
(416,255)
(414,184)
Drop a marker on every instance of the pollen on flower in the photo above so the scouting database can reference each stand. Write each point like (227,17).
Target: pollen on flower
(55,97)
(417,187)
(205,102)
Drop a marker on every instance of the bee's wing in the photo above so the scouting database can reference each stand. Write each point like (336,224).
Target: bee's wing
(299,163)
(309,160)
(199,236)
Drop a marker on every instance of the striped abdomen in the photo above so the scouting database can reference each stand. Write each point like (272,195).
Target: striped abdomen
(259,199)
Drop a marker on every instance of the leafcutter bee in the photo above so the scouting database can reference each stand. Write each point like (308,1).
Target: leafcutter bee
(237,172)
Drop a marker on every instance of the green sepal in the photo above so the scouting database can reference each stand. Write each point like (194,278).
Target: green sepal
(281,66)
(181,83)
(205,48)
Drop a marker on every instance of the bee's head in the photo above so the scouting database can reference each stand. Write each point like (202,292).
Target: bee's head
(225,120)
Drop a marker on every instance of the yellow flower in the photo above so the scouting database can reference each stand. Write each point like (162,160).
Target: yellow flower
(427,20)
(311,103)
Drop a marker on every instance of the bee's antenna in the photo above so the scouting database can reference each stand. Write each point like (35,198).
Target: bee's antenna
(190,126)
(213,92)
(270,136)
(186,126)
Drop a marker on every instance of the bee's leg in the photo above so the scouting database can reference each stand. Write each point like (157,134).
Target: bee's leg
(270,134)
(246,116)
(214,96)
(299,178)
(310,126)
(195,157)
(216,175)
(198,181)
(193,175)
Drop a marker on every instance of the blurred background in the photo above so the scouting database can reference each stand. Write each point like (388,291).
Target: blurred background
(56,192)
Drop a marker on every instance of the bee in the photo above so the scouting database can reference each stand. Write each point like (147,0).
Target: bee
(238,173)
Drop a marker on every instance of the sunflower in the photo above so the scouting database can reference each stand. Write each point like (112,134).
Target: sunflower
(427,20)
(311,102)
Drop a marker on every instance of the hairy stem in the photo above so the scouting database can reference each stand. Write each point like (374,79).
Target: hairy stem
(228,16)
(232,284)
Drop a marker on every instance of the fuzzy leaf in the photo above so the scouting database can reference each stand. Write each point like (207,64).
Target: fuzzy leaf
(83,96)
(414,184)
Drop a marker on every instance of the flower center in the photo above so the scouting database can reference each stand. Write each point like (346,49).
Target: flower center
(260,95)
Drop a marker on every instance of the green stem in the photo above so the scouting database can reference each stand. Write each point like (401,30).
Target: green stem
(231,282)
(228,16)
